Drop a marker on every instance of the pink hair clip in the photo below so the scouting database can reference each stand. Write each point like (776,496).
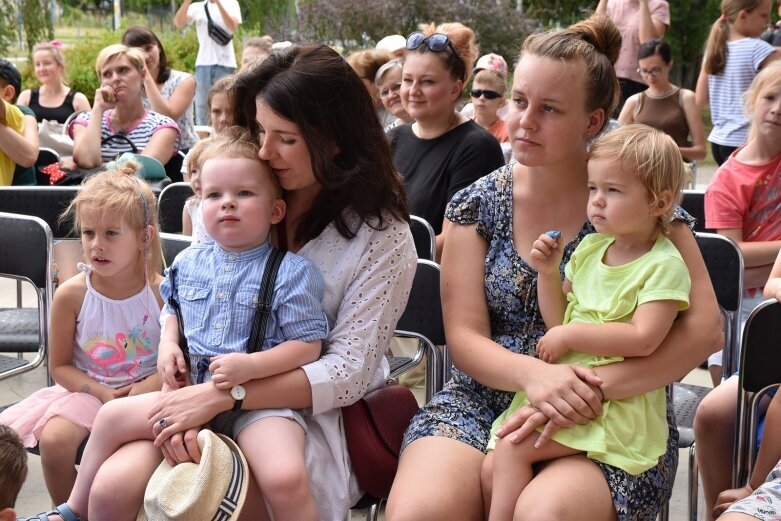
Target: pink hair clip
(56,43)
(723,17)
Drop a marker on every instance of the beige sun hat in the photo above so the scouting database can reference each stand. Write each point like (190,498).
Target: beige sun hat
(213,490)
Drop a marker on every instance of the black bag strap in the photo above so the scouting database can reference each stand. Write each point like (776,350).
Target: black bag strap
(178,312)
(120,137)
(265,296)
(206,8)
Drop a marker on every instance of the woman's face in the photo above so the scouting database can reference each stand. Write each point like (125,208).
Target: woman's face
(390,93)
(283,146)
(654,71)
(428,90)
(547,120)
(220,112)
(152,52)
(120,74)
(46,68)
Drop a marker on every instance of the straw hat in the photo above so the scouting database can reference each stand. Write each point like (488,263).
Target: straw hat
(215,489)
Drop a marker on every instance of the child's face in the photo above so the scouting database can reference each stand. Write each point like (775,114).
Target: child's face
(220,112)
(109,244)
(618,202)
(767,114)
(754,22)
(238,202)
(483,105)
(195,180)
(251,55)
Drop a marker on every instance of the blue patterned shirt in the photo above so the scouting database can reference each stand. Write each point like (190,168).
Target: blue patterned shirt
(217,291)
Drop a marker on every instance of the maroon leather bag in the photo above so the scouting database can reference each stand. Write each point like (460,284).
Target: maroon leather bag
(374,427)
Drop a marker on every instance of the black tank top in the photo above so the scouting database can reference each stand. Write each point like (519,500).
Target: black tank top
(59,114)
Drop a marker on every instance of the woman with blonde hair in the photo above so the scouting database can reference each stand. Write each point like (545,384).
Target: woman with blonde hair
(564,88)
(442,151)
(118,116)
(53,100)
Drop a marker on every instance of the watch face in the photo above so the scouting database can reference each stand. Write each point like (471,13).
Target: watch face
(238,392)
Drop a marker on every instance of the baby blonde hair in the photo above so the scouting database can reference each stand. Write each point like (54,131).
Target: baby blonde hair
(237,143)
(653,155)
(120,192)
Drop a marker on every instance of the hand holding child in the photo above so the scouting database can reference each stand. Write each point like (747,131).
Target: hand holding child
(552,345)
(231,369)
(727,497)
(545,255)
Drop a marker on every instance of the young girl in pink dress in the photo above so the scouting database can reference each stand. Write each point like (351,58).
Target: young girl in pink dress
(104,324)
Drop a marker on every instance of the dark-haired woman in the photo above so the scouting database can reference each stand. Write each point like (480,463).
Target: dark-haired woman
(564,87)
(442,151)
(347,213)
(166,91)
(663,105)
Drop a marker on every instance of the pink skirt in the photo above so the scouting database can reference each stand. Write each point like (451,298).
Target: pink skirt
(29,417)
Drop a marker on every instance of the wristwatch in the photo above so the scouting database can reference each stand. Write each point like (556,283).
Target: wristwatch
(238,392)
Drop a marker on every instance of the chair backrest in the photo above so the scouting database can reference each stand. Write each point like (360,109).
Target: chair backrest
(724,261)
(423,313)
(424,237)
(760,370)
(25,254)
(170,205)
(44,202)
(172,245)
(694,203)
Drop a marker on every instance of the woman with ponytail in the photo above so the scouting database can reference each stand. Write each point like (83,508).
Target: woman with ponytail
(733,56)
(564,88)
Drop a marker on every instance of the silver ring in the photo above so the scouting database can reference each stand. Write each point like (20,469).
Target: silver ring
(163,422)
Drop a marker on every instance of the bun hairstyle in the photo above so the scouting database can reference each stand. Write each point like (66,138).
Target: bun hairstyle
(121,192)
(596,42)
(463,40)
(716,46)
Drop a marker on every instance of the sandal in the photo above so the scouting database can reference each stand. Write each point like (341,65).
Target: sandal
(64,511)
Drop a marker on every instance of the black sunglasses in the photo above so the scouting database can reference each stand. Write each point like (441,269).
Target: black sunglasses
(489,94)
(437,42)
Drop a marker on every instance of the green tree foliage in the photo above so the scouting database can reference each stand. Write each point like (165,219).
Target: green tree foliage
(36,21)
(7,25)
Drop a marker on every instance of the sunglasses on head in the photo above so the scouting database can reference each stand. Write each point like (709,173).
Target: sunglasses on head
(488,94)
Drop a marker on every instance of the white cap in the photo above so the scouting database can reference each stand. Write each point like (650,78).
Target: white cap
(392,43)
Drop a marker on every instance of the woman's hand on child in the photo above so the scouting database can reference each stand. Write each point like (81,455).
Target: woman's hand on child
(728,497)
(552,345)
(546,256)
(567,394)
(525,421)
(231,369)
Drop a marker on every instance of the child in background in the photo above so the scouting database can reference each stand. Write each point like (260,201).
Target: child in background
(13,461)
(622,290)
(220,110)
(733,56)
(743,198)
(192,218)
(216,285)
(256,49)
(488,98)
(104,324)
(742,202)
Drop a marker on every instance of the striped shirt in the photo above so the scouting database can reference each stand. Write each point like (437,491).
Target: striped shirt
(725,90)
(217,292)
(140,134)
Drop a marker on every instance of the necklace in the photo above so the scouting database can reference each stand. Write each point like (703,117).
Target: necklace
(663,94)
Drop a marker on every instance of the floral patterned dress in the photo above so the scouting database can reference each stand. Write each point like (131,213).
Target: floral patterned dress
(465,409)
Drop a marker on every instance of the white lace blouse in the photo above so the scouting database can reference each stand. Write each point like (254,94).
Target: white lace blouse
(367,284)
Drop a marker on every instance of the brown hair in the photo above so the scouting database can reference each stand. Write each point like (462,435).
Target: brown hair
(653,155)
(314,88)
(223,85)
(716,46)
(463,40)
(596,42)
(237,143)
(263,43)
(121,192)
(139,36)
(492,78)
(366,63)
(13,461)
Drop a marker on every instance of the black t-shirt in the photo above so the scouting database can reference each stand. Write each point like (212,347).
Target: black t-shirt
(435,169)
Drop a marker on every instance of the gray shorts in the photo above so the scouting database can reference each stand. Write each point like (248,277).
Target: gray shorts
(765,502)
(231,423)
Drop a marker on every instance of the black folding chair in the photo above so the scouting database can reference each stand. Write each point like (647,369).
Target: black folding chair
(170,205)
(173,244)
(25,255)
(44,202)
(724,261)
(694,204)
(424,237)
(760,372)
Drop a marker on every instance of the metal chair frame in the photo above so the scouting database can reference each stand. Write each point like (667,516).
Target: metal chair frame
(424,237)
(170,205)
